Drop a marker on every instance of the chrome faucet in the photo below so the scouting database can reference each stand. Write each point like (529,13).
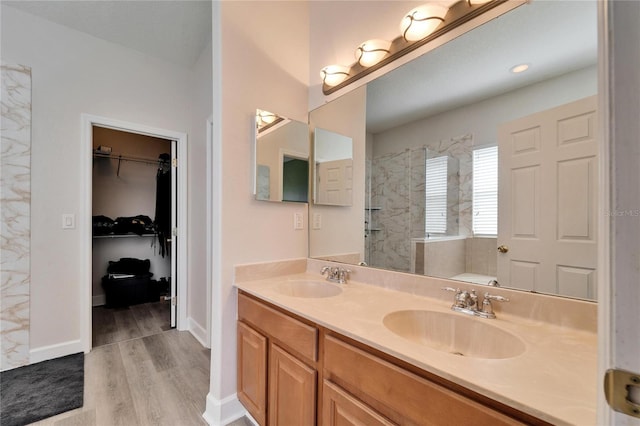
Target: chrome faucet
(335,274)
(487,308)
(467,302)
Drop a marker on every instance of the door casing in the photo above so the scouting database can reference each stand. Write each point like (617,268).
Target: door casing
(85,223)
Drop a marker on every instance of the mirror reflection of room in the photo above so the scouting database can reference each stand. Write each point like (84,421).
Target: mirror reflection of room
(282,158)
(333,169)
(442,200)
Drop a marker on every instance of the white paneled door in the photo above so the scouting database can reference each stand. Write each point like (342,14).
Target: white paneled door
(335,182)
(548,174)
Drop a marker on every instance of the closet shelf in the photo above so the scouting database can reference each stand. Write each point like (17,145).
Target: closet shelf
(130,235)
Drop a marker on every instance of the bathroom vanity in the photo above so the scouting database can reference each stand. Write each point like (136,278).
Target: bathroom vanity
(312,352)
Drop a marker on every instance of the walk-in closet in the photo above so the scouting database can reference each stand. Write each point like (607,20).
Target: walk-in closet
(132,227)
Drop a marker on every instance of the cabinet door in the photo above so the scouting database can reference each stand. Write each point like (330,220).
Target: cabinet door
(341,409)
(252,372)
(292,390)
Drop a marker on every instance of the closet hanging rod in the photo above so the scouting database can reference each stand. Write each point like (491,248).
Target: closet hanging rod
(129,158)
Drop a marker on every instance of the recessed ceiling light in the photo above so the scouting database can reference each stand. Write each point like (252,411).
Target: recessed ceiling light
(519,68)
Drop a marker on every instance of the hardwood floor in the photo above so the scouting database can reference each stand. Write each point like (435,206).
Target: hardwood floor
(140,372)
(112,325)
(161,379)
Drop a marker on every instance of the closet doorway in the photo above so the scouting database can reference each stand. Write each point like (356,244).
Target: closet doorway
(136,261)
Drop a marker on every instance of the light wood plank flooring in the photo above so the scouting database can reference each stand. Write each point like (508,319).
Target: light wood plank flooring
(111,325)
(159,379)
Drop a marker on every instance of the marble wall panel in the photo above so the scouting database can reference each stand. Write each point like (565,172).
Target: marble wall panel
(15,197)
(461,149)
(396,185)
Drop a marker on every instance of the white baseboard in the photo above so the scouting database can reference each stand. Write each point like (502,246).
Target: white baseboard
(221,412)
(55,351)
(199,332)
(99,300)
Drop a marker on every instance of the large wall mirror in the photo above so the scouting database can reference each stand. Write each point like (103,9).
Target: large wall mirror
(282,158)
(333,168)
(476,172)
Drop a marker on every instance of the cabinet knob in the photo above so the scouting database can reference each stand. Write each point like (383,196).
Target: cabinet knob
(503,249)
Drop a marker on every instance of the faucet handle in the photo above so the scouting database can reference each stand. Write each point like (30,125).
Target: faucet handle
(488,296)
(343,275)
(454,290)
(487,307)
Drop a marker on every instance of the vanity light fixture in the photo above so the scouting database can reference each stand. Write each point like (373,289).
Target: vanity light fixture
(266,119)
(517,69)
(422,21)
(332,75)
(418,27)
(372,51)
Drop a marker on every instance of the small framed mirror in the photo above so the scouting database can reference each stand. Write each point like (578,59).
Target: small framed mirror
(333,168)
(282,158)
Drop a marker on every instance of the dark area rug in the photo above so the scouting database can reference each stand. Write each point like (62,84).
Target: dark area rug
(37,391)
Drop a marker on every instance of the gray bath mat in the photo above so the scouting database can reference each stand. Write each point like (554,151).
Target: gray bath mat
(37,391)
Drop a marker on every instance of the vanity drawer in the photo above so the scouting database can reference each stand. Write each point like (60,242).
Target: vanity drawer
(400,394)
(289,332)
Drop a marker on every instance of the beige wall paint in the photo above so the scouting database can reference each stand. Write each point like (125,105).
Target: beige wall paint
(264,56)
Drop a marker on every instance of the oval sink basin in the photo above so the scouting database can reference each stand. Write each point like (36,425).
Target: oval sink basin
(308,289)
(455,334)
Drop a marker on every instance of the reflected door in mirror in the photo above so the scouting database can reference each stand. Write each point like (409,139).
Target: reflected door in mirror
(548,178)
(333,173)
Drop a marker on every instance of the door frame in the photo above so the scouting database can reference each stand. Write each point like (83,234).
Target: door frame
(85,222)
(619,245)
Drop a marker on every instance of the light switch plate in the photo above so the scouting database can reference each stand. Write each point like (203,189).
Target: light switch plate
(298,221)
(317,221)
(68,221)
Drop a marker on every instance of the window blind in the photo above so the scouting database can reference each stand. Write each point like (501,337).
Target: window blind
(485,191)
(436,195)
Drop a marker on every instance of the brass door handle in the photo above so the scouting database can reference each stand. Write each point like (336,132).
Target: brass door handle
(503,249)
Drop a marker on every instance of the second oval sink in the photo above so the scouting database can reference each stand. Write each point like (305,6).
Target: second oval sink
(455,334)
(308,289)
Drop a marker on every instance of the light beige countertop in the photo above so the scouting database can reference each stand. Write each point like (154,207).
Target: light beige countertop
(554,378)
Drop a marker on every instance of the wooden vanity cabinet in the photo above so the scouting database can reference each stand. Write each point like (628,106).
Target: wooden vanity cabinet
(394,393)
(292,372)
(252,371)
(339,408)
(277,365)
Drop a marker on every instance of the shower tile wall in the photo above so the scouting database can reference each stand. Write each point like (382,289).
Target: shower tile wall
(461,148)
(389,192)
(397,188)
(15,196)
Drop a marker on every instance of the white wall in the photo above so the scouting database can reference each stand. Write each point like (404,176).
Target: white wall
(201,104)
(483,118)
(74,73)
(262,49)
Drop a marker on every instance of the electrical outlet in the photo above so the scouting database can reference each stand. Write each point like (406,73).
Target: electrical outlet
(298,221)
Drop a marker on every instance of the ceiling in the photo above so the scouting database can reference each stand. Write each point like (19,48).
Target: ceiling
(554,37)
(172,30)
